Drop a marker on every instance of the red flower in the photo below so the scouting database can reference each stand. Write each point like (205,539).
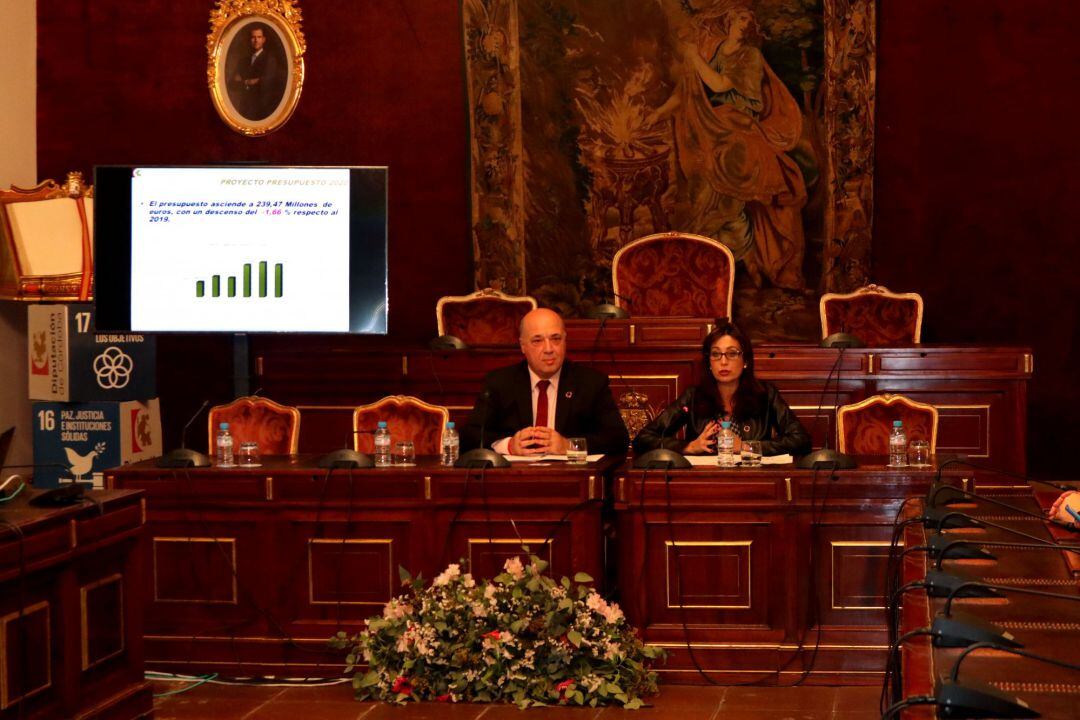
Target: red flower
(563,687)
(494,635)
(402,686)
(443,698)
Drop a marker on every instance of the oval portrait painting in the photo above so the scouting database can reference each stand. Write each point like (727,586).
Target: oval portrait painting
(257,72)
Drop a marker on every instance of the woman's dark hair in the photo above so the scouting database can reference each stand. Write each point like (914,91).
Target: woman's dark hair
(749,395)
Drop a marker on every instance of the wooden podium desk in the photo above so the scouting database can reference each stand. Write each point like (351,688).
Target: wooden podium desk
(1046,626)
(70,609)
(250,571)
(980,391)
(755,562)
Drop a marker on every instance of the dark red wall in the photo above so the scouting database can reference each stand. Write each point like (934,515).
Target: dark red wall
(976,155)
(978,175)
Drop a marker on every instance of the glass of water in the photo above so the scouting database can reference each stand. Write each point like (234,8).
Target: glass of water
(404,452)
(751,453)
(577,451)
(248,456)
(919,453)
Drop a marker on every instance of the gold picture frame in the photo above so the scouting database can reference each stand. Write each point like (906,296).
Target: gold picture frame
(255,68)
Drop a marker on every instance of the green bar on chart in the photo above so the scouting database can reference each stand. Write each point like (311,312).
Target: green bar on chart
(247,279)
(232,286)
(215,285)
(279,279)
(262,278)
(200,288)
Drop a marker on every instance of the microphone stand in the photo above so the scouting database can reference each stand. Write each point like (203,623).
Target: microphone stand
(482,457)
(346,458)
(182,457)
(826,458)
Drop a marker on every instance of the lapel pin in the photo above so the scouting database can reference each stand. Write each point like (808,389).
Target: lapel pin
(569,394)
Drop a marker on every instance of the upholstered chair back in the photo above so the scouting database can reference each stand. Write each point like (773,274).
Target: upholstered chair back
(877,316)
(485,317)
(864,427)
(674,274)
(407,417)
(274,426)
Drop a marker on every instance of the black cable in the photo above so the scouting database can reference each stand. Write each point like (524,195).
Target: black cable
(454,518)
(891,711)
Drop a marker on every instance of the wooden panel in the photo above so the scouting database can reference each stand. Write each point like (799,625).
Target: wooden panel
(102,620)
(25,653)
(708,575)
(351,571)
(487,556)
(194,570)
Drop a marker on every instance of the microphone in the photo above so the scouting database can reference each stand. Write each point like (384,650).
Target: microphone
(943,548)
(935,514)
(976,700)
(606,310)
(826,458)
(946,611)
(662,458)
(346,458)
(483,456)
(182,457)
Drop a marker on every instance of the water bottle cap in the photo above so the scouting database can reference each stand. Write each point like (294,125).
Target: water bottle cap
(450,425)
(382,423)
(224,426)
(898,423)
(726,424)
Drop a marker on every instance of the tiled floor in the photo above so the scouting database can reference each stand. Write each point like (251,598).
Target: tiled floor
(231,702)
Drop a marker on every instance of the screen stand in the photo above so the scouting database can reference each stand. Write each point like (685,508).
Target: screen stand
(241,366)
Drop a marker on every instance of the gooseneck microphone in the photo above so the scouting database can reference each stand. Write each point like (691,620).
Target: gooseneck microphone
(943,552)
(661,458)
(182,457)
(347,458)
(934,514)
(483,456)
(975,700)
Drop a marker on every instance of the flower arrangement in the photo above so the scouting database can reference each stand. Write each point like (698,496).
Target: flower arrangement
(521,637)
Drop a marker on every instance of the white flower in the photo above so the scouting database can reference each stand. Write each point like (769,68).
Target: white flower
(514,567)
(395,609)
(469,582)
(444,578)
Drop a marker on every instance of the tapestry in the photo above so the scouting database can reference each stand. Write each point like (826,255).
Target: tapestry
(597,122)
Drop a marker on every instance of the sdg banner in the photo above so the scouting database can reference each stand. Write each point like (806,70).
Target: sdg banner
(69,362)
(77,442)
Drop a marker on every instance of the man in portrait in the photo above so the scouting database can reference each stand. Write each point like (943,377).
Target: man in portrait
(255,81)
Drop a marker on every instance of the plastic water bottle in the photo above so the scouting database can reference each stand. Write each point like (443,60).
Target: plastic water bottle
(725,445)
(898,445)
(451,445)
(223,446)
(382,445)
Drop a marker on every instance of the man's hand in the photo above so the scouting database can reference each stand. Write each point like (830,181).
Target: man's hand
(538,441)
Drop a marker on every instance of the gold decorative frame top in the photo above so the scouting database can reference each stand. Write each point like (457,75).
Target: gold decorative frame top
(479,294)
(660,237)
(872,289)
(885,399)
(225,19)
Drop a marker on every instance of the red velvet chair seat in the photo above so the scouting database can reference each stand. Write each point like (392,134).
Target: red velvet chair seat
(864,427)
(486,317)
(674,275)
(407,417)
(275,427)
(878,317)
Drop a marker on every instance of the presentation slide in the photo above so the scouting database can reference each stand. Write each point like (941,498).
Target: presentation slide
(263,249)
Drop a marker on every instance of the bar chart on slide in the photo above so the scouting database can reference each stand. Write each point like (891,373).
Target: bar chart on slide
(248,286)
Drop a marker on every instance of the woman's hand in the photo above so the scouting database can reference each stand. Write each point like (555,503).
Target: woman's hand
(705,443)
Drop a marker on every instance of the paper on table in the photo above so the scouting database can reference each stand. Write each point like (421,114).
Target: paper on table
(710,460)
(548,458)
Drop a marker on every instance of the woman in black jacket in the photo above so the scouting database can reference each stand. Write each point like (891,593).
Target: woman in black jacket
(728,391)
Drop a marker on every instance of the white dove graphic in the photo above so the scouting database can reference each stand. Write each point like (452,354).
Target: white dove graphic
(83,464)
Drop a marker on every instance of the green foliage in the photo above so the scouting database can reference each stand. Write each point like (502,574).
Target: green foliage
(520,638)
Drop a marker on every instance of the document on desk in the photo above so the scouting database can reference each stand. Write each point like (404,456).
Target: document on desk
(710,460)
(547,458)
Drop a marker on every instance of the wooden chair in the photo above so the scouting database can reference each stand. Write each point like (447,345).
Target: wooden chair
(674,274)
(274,426)
(47,241)
(878,317)
(864,427)
(485,317)
(407,417)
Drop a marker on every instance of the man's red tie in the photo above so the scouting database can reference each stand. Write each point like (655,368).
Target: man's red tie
(542,403)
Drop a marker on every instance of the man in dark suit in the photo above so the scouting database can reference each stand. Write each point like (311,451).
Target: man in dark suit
(256,79)
(534,406)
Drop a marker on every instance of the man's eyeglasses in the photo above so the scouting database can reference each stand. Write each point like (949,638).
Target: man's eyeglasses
(731,354)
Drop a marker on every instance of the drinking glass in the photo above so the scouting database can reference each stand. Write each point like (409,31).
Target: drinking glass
(404,452)
(577,451)
(249,454)
(919,453)
(751,453)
